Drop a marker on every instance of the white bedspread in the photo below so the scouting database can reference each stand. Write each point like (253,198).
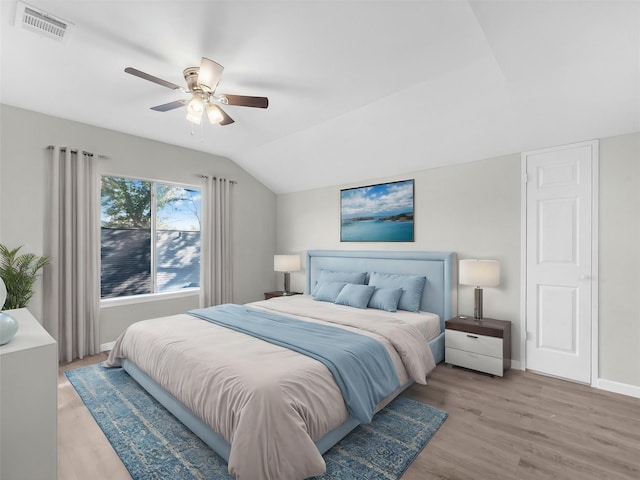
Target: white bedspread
(269,403)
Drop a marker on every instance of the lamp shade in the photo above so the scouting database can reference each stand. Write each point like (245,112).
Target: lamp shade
(480,273)
(286,263)
(195,108)
(214,114)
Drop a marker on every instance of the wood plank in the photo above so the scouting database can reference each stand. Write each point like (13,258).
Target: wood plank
(557,429)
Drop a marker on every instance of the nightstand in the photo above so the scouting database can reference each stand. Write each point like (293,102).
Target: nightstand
(483,345)
(279,293)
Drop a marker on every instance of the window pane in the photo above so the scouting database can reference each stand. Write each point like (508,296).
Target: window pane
(125,237)
(177,238)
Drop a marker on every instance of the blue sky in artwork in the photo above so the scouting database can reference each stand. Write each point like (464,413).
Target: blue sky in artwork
(377,200)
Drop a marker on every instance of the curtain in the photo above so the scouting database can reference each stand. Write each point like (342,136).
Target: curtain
(216,272)
(72,242)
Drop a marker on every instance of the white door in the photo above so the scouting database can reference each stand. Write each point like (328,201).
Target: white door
(559,271)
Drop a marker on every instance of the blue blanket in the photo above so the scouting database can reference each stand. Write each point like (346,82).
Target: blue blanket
(361,366)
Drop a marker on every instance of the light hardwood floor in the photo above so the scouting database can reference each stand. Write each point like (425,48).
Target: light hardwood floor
(523,426)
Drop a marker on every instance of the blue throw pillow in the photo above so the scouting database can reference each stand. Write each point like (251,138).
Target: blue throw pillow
(347,277)
(412,287)
(385,299)
(353,295)
(329,291)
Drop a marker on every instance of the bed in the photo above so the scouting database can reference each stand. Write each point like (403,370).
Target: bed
(270,411)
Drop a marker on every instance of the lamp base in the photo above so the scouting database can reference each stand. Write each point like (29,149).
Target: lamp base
(286,282)
(477,308)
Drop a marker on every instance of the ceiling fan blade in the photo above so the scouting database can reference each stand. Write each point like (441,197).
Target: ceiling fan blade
(170,106)
(226,119)
(151,78)
(209,74)
(244,101)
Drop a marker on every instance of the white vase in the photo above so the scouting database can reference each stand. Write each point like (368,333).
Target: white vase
(8,327)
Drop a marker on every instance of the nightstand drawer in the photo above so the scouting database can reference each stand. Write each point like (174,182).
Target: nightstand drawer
(474,361)
(473,343)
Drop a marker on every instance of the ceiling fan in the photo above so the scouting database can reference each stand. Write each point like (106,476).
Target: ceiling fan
(201,84)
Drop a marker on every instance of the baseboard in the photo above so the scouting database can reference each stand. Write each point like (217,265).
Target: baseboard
(600,383)
(617,387)
(105,347)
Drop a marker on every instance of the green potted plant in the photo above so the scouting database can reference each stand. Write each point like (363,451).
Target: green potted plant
(19,273)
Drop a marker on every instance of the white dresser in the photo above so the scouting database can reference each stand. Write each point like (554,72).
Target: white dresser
(28,402)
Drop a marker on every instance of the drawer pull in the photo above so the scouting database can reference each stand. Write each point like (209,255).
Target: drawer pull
(472,336)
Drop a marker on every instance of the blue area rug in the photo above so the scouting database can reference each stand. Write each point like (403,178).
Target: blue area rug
(153,444)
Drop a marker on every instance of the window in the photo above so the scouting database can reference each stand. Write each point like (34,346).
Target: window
(150,237)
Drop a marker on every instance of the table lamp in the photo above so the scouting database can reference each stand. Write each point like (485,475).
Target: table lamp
(479,273)
(286,264)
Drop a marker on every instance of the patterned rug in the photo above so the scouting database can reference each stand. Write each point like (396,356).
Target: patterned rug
(153,444)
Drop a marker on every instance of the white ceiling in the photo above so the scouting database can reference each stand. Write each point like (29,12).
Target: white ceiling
(357,89)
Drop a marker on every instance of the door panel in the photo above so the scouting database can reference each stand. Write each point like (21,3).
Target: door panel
(557,234)
(559,261)
(557,317)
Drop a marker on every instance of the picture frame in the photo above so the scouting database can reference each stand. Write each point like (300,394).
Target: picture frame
(382,212)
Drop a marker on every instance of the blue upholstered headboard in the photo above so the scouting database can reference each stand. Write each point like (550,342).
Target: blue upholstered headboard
(441,291)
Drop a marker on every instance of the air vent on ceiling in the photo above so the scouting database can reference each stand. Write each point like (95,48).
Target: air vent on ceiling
(41,22)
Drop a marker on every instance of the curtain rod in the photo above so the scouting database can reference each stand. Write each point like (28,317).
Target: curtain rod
(233,182)
(84,152)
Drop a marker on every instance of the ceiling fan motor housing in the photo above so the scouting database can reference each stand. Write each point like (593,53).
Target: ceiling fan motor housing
(191,77)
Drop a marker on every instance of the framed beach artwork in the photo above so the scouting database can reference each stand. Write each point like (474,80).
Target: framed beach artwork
(377,213)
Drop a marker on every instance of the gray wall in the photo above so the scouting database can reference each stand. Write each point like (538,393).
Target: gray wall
(619,262)
(474,210)
(24,137)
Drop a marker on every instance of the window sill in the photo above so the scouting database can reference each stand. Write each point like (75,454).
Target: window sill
(152,297)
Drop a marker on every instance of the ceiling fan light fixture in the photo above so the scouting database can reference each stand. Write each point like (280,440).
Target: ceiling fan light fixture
(194,117)
(196,105)
(195,109)
(209,75)
(214,114)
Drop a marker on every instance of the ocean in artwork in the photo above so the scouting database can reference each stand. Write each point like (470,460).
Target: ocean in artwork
(377,231)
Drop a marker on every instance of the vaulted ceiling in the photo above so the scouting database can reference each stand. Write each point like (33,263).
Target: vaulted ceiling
(357,89)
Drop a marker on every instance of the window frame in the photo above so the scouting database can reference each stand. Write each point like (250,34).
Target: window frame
(154,295)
